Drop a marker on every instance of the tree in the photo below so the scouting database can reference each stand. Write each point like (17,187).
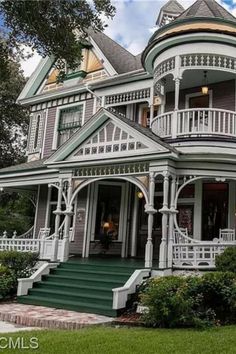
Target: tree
(14,118)
(54,27)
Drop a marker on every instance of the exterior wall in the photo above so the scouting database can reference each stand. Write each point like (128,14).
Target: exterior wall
(76,247)
(42,207)
(223,96)
(88,109)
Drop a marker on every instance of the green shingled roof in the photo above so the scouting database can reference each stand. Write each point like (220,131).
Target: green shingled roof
(23,167)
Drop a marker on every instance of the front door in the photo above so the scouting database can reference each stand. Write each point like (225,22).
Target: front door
(110,215)
(214,209)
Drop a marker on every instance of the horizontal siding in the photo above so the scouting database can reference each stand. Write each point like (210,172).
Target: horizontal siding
(42,207)
(76,247)
(223,96)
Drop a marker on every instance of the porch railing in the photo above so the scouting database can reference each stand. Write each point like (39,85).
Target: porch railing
(195,122)
(198,255)
(21,245)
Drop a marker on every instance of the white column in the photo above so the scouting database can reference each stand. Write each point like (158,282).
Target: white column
(165,212)
(171,223)
(68,213)
(134,225)
(175,114)
(58,213)
(149,208)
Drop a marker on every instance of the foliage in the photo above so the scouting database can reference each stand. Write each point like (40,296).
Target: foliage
(55,27)
(16,213)
(120,340)
(6,282)
(190,301)
(20,264)
(226,262)
(14,118)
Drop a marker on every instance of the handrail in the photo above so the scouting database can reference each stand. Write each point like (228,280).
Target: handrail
(27,234)
(195,121)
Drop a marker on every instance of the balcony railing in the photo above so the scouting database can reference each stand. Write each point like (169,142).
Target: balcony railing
(195,122)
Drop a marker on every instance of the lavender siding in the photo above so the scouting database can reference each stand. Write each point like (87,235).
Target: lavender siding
(49,131)
(223,96)
(42,206)
(76,247)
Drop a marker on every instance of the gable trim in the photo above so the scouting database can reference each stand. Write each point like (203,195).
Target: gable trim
(91,127)
(107,65)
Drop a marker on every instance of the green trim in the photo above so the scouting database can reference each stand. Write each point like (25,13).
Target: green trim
(43,168)
(80,73)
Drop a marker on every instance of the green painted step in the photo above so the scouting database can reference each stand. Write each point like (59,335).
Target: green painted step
(68,305)
(81,289)
(80,286)
(98,267)
(84,281)
(89,274)
(90,298)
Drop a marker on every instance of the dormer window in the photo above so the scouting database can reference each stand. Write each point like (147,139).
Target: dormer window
(70,119)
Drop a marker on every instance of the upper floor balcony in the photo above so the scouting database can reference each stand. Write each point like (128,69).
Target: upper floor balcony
(195,122)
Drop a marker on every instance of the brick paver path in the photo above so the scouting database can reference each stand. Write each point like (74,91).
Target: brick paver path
(40,316)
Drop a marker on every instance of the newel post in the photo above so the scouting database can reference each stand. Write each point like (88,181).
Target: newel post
(149,209)
(58,213)
(165,212)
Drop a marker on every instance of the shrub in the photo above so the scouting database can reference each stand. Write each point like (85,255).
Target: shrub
(226,262)
(192,301)
(6,282)
(20,264)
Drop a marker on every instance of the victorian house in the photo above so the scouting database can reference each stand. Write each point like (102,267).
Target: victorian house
(133,160)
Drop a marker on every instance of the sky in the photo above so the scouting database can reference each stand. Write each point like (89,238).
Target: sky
(132,25)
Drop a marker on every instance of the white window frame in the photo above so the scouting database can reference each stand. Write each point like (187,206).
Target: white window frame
(57,120)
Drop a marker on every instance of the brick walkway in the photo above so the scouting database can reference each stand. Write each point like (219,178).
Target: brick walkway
(39,316)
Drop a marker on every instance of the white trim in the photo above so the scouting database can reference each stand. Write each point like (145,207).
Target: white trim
(44,130)
(86,219)
(48,207)
(198,94)
(123,208)
(36,212)
(58,112)
(107,65)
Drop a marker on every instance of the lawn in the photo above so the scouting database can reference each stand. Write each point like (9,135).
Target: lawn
(98,340)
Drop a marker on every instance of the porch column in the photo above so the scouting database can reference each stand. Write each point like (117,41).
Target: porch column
(171,223)
(165,212)
(175,114)
(58,213)
(149,208)
(134,225)
(68,213)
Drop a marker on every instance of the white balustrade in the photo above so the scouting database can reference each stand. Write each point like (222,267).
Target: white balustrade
(162,125)
(21,245)
(198,255)
(196,122)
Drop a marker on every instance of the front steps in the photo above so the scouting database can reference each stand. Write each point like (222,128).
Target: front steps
(80,286)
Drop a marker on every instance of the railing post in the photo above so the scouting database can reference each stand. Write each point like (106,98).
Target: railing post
(175,113)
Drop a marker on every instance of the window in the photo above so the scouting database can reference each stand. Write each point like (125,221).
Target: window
(36,137)
(70,120)
(144,115)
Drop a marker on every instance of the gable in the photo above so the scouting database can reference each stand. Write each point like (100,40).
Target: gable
(112,141)
(107,136)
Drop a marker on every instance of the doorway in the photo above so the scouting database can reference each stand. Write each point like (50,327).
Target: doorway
(214,209)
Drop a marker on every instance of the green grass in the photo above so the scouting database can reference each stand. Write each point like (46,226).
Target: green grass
(98,340)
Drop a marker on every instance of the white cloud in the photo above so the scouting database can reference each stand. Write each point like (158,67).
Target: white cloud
(29,65)
(132,25)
